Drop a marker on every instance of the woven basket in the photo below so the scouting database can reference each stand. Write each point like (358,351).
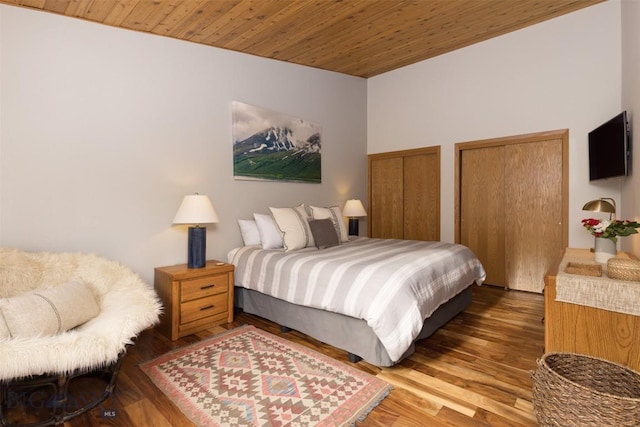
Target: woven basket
(583,269)
(624,269)
(571,390)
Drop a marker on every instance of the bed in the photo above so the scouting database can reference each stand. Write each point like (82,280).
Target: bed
(370,297)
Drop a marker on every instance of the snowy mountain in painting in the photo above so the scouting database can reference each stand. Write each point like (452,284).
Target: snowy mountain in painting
(276,139)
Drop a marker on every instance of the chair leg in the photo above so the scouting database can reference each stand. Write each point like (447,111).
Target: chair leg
(51,394)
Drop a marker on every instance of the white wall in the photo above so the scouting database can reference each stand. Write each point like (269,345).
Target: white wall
(562,73)
(103,131)
(631,103)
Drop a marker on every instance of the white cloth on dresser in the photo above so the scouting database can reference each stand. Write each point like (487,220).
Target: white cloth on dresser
(598,292)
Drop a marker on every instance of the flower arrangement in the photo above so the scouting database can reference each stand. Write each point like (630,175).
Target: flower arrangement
(610,229)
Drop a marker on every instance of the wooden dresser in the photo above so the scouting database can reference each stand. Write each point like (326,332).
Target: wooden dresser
(194,298)
(581,329)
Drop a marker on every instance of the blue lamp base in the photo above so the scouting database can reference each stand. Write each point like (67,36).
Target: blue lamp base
(353,227)
(197,247)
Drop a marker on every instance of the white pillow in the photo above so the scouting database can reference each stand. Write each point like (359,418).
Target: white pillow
(302,210)
(249,231)
(270,236)
(49,311)
(335,214)
(294,225)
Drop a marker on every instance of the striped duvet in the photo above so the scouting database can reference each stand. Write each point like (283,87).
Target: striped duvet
(392,284)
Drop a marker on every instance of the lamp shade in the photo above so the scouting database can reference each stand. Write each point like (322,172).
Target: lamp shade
(353,208)
(600,205)
(196,209)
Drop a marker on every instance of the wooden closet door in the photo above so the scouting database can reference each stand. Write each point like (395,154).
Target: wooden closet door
(533,212)
(386,206)
(482,209)
(421,184)
(404,194)
(512,205)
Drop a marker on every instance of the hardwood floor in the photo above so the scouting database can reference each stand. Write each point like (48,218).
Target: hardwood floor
(473,372)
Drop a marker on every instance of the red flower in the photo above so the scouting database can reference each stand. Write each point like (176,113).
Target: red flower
(610,229)
(590,221)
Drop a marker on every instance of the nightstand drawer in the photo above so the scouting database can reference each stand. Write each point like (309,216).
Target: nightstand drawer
(203,287)
(203,307)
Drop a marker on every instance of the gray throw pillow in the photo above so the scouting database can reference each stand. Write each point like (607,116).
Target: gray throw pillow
(324,233)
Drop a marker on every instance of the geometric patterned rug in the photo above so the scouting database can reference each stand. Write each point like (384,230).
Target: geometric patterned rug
(249,377)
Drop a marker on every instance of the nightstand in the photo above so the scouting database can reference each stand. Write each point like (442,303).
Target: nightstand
(194,298)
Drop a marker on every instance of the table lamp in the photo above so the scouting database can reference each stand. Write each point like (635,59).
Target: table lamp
(353,209)
(601,205)
(196,209)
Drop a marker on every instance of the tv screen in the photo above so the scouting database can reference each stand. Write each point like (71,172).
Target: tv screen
(609,149)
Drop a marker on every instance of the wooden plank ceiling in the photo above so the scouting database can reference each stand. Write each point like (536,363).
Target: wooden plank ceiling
(357,37)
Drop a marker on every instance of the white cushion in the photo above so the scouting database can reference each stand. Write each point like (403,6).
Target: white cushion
(294,225)
(335,214)
(302,210)
(4,329)
(49,311)
(270,236)
(249,231)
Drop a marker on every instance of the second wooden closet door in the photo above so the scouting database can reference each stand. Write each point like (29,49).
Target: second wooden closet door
(511,206)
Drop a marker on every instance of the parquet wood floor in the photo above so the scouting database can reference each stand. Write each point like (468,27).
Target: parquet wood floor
(473,372)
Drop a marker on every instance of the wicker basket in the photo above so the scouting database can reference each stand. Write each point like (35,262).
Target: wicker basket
(624,269)
(583,269)
(571,390)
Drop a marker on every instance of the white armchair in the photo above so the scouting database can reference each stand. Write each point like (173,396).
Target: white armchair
(35,358)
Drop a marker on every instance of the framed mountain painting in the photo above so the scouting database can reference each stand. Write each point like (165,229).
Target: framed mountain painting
(271,146)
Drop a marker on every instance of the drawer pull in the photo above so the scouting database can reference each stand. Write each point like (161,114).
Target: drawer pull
(202,288)
(207,307)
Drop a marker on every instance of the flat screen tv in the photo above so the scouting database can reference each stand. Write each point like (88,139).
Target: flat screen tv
(610,149)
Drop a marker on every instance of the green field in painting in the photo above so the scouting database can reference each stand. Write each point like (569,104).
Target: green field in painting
(280,165)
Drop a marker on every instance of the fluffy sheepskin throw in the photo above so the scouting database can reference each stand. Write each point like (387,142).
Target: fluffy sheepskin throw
(127,307)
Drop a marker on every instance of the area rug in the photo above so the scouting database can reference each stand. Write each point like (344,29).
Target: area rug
(249,377)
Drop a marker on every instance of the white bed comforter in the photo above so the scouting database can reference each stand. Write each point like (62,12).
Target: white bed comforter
(392,284)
